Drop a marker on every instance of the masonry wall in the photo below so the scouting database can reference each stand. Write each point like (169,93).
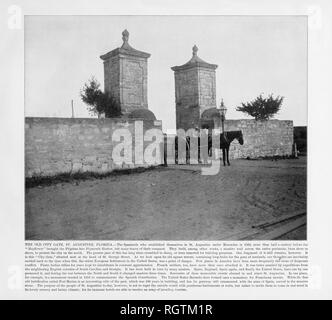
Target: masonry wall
(261,138)
(195,91)
(126,77)
(64,145)
(186,87)
(187,117)
(133,79)
(206,88)
(112,76)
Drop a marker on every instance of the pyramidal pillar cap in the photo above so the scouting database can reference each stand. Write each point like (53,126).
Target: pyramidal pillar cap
(195,62)
(125,49)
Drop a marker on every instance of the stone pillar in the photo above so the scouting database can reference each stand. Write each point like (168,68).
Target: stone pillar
(195,91)
(126,75)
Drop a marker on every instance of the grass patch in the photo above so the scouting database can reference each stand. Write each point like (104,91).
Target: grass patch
(273,158)
(81,176)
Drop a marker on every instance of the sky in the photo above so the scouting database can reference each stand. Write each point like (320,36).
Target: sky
(254,54)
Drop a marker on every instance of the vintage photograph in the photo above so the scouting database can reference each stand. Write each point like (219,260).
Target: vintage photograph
(165,127)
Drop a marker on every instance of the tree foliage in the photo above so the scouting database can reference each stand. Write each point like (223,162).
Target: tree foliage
(262,108)
(99,102)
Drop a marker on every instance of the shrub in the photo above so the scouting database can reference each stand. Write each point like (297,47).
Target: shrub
(262,108)
(99,102)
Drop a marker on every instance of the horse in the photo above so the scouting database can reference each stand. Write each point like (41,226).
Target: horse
(226,138)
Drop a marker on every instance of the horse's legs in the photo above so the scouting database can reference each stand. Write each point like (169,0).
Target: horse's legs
(224,156)
(227,152)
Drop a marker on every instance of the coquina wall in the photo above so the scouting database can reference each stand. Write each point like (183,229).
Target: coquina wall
(65,145)
(261,138)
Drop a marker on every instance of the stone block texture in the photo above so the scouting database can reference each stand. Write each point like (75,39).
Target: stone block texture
(63,145)
(126,76)
(195,91)
(261,138)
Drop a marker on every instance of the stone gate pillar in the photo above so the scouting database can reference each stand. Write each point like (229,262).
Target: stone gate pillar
(195,91)
(126,75)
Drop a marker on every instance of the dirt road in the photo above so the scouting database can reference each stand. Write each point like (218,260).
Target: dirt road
(176,203)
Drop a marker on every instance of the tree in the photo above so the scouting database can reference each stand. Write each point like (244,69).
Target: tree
(262,108)
(98,101)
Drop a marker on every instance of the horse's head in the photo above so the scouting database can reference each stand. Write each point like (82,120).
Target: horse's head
(240,138)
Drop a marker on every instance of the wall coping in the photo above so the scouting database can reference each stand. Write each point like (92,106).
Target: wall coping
(88,120)
(258,121)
